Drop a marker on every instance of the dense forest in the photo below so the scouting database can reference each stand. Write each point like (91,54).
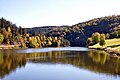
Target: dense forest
(53,36)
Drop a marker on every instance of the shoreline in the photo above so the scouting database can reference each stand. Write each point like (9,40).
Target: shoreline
(9,46)
(112,52)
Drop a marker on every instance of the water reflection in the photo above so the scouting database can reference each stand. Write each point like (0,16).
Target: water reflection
(9,63)
(95,61)
(103,63)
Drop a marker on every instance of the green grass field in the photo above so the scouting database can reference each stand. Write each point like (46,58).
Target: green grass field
(113,43)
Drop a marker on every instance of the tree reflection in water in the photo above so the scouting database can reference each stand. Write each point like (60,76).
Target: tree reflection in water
(10,61)
(95,61)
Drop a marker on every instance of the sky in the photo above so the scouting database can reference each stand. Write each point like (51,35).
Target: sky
(34,13)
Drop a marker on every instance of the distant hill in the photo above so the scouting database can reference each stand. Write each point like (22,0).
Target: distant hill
(77,34)
(42,29)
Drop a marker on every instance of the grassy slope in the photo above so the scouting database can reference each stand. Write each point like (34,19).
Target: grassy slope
(113,43)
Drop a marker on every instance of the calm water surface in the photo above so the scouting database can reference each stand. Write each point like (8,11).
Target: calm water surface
(69,63)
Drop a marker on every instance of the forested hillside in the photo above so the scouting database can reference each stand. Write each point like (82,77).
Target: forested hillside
(46,36)
(10,34)
(79,33)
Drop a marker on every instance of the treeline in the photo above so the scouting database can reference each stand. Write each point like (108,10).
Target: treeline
(10,34)
(35,41)
(75,35)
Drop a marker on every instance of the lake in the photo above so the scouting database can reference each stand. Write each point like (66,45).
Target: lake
(68,63)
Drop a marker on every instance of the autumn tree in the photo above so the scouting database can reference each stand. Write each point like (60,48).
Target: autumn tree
(49,43)
(1,38)
(96,37)
(38,40)
(33,42)
(56,42)
(9,32)
(102,39)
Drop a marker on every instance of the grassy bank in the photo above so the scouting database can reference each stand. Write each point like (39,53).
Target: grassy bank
(112,46)
(112,43)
